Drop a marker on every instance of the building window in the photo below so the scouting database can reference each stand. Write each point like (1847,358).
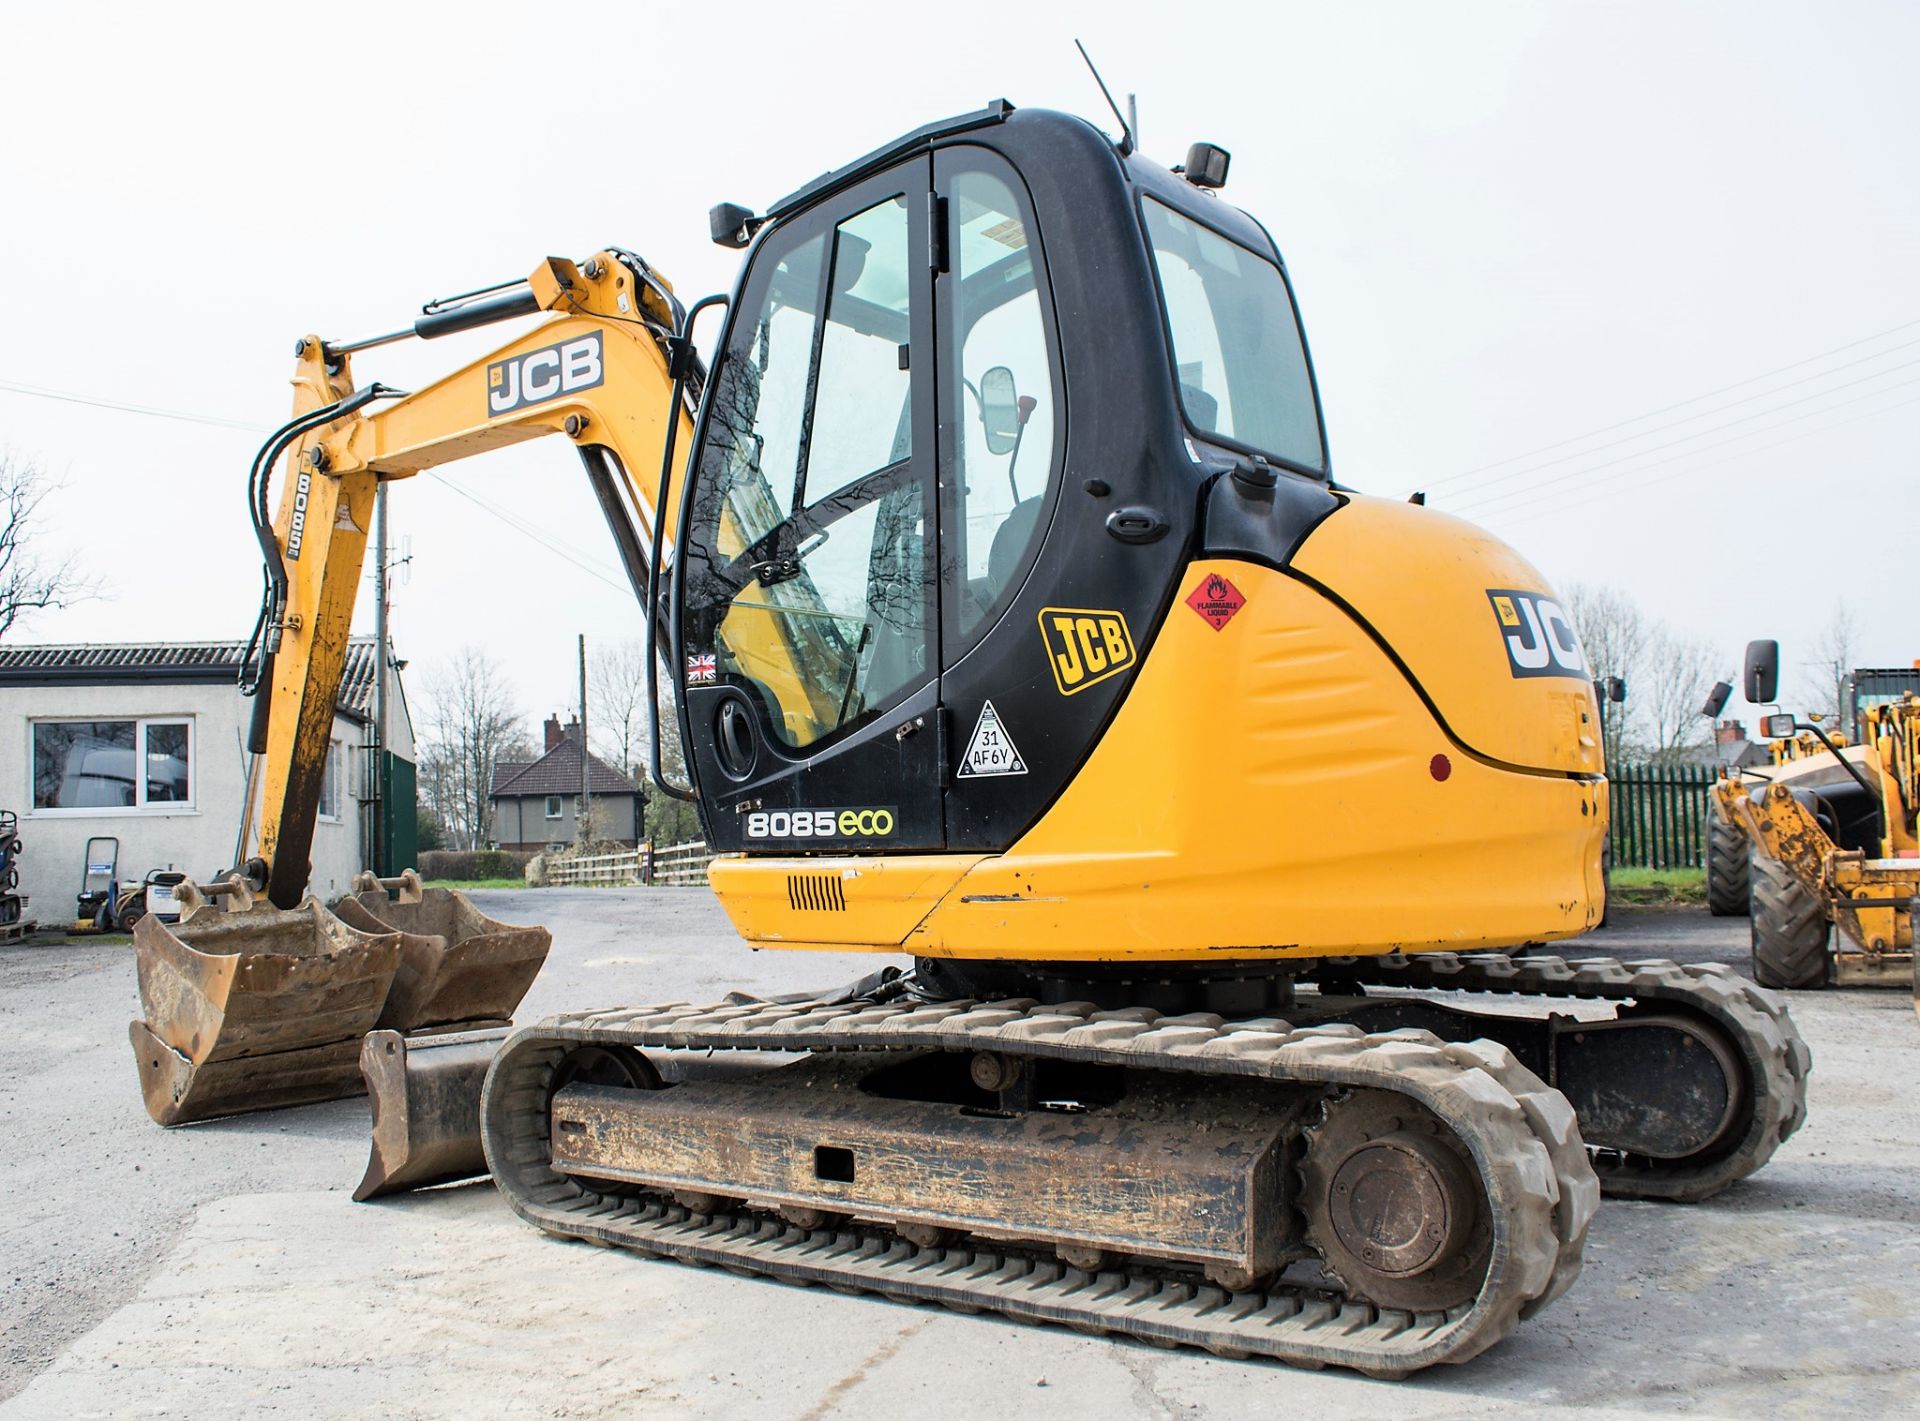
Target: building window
(330,784)
(113,764)
(553,806)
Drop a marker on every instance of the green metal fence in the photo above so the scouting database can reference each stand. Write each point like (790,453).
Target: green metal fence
(1660,815)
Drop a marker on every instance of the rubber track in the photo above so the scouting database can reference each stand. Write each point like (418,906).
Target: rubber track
(1755,1022)
(1521,1133)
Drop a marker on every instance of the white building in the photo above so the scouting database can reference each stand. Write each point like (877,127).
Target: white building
(77,722)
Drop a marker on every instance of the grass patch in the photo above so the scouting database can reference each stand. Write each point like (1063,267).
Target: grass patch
(1659,887)
(468,884)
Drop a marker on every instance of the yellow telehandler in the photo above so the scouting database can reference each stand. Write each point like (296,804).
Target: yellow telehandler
(1831,829)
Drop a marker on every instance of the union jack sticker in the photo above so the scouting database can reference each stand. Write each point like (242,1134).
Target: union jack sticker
(702,670)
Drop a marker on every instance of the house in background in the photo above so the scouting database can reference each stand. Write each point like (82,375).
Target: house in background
(1730,750)
(535,805)
(146,744)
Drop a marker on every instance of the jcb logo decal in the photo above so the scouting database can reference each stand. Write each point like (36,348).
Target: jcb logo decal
(544,374)
(1084,647)
(1538,635)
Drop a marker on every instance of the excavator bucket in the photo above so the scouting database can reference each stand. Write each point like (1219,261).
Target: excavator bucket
(461,976)
(458,967)
(426,1108)
(253,1007)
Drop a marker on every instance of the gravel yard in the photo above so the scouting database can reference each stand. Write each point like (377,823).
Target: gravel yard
(221,1270)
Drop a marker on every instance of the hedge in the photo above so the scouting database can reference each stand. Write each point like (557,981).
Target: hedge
(465,865)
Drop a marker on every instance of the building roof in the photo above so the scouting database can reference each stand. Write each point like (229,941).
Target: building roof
(503,771)
(558,772)
(168,664)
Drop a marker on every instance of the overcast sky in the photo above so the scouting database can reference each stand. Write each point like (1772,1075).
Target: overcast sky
(1512,228)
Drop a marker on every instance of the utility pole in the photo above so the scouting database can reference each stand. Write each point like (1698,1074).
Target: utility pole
(586,765)
(377,796)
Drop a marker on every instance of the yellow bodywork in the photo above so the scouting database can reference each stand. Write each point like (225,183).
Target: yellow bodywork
(1277,788)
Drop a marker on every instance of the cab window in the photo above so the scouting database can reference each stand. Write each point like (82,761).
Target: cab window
(806,578)
(1001,386)
(1241,363)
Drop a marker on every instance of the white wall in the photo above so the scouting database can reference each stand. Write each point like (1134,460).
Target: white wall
(199,840)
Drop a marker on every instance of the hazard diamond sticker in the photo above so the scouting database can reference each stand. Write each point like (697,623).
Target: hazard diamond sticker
(991,751)
(1216,600)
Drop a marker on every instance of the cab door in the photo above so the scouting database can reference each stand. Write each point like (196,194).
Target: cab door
(807,586)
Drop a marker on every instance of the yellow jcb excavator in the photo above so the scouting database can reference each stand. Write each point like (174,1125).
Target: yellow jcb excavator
(1017,627)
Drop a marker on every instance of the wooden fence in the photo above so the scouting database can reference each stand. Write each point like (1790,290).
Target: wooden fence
(679,864)
(1660,815)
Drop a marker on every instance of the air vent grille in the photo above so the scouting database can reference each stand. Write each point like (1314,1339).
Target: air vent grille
(816,893)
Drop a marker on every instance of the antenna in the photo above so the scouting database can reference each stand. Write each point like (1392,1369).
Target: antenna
(1127,145)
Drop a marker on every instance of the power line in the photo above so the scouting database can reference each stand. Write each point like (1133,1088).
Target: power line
(1677,404)
(41,392)
(1520,512)
(1533,490)
(1717,409)
(551,544)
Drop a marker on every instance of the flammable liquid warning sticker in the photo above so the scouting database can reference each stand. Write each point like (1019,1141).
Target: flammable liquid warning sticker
(991,751)
(1216,599)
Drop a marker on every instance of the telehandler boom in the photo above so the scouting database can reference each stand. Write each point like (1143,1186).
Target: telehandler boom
(1017,626)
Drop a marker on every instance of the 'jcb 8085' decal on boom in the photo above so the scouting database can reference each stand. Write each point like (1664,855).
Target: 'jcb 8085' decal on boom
(545,374)
(1084,647)
(1538,635)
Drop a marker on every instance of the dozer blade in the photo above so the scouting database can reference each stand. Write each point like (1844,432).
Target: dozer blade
(426,1108)
(254,1009)
(458,967)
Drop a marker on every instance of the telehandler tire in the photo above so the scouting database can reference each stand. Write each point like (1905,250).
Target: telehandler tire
(1790,930)
(1729,870)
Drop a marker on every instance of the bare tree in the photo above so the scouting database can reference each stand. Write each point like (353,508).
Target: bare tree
(1677,673)
(1824,686)
(31,580)
(1667,675)
(618,677)
(1615,635)
(471,726)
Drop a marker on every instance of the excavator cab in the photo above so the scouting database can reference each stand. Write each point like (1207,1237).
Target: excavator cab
(892,489)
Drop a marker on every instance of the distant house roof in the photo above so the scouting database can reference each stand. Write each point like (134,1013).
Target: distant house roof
(503,771)
(558,772)
(167,664)
(1731,754)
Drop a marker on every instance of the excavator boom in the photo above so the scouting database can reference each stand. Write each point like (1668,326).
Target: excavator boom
(595,372)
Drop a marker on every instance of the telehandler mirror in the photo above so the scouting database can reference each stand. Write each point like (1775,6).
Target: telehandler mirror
(1716,700)
(1761,679)
(999,410)
(1776,727)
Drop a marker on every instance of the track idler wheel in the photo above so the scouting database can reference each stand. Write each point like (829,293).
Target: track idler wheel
(1394,1206)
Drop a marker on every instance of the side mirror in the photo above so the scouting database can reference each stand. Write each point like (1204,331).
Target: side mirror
(1616,689)
(1000,410)
(1761,678)
(1716,700)
(1776,727)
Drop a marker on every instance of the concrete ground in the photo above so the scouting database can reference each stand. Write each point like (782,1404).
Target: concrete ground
(221,1271)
